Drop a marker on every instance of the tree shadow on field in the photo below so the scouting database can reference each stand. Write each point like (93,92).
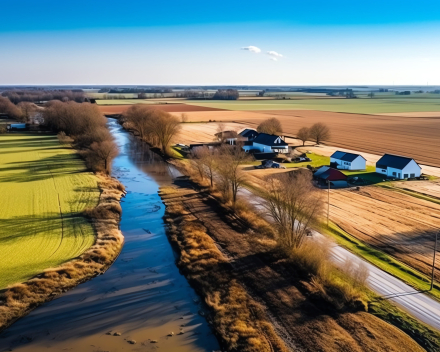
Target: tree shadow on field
(49,224)
(39,142)
(41,169)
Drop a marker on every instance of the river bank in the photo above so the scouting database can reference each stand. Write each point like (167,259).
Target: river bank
(142,297)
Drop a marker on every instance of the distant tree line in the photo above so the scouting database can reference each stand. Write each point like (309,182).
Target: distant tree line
(405,92)
(136,90)
(34,96)
(84,123)
(226,94)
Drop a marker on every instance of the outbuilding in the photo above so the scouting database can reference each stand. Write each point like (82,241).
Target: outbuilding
(17,127)
(327,174)
(397,166)
(348,161)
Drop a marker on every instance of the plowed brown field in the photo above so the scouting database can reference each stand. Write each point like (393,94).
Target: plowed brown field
(417,137)
(119,109)
(399,224)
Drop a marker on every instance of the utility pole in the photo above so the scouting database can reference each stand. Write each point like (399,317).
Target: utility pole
(328,201)
(433,262)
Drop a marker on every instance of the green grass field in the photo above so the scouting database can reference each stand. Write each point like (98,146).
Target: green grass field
(38,176)
(362,106)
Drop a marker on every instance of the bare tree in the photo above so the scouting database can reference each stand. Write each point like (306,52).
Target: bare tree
(154,126)
(184,117)
(294,204)
(221,127)
(104,152)
(27,110)
(165,126)
(196,157)
(206,157)
(320,132)
(231,175)
(303,134)
(270,126)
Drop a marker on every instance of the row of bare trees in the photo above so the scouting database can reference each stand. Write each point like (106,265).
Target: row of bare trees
(222,165)
(318,133)
(153,126)
(17,96)
(85,124)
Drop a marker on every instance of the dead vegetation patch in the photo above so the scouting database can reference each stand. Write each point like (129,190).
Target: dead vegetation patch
(19,299)
(238,320)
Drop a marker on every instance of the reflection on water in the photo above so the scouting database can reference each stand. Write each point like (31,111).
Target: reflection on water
(142,296)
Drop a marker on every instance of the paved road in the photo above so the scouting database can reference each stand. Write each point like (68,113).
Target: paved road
(417,304)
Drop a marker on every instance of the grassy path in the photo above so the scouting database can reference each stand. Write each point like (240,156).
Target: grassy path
(43,188)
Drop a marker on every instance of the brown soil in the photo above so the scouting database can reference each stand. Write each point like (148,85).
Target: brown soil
(396,223)
(20,299)
(203,132)
(417,137)
(304,321)
(119,109)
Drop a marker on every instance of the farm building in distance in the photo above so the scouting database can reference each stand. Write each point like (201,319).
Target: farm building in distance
(229,137)
(17,126)
(266,143)
(326,174)
(397,166)
(348,161)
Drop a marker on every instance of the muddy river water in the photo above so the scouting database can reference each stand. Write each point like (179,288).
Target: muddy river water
(142,296)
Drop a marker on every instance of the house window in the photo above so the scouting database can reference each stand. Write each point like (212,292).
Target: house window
(394,174)
(413,175)
(405,175)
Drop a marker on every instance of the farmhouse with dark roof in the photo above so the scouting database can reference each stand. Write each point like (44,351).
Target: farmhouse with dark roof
(267,143)
(347,161)
(397,166)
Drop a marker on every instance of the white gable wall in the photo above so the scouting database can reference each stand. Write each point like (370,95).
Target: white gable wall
(357,164)
(409,171)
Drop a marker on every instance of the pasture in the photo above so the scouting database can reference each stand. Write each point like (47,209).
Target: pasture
(359,106)
(44,188)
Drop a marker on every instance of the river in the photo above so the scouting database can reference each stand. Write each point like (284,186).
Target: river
(142,296)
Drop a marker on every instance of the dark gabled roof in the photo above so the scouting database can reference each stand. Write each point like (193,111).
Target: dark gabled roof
(345,156)
(394,161)
(248,132)
(332,175)
(269,139)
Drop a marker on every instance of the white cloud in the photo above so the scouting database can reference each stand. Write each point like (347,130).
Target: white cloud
(252,49)
(274,59)
(274,54)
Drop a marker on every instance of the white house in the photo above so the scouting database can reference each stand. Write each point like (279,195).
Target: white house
(399,167)
(266,143)
(348,161)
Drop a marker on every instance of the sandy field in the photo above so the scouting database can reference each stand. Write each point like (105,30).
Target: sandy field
(119,109)
(418,138)
(203,132)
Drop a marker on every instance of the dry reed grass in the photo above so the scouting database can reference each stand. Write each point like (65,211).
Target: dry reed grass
(343,287)
(19,299)
(239,322)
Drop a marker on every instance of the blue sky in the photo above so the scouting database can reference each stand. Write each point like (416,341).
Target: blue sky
(200,42)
